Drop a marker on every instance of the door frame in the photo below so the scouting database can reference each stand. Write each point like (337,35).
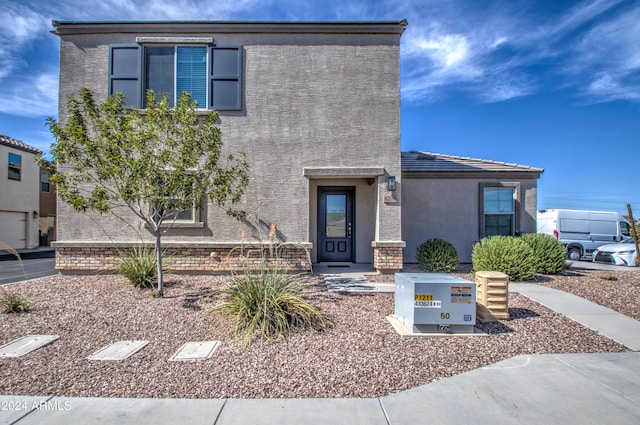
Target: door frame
(350,191)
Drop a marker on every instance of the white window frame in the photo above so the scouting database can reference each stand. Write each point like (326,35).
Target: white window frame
(176,95)
(482,214)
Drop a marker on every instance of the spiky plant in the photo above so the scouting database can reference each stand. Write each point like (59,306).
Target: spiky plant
(268,303)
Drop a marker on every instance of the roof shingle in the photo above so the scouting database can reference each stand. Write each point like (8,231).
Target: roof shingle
(429,161)
(17,144)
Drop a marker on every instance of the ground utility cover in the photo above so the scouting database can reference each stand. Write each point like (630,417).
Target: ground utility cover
(118,350)
(198,350)
(26,344)
(355,283)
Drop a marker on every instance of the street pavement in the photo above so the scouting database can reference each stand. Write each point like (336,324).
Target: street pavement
(32,264)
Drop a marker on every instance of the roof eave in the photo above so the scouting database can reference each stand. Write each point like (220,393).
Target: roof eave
(351,27)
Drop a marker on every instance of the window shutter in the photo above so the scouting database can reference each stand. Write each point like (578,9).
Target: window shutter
(124,73)
(226,78)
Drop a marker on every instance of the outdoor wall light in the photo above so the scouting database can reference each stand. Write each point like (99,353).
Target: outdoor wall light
(391,183)
(35,214)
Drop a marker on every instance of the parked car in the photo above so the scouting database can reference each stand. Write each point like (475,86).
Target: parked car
(620,254)
(583,231)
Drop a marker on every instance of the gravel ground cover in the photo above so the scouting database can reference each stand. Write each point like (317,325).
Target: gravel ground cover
(358,355)
(617,290)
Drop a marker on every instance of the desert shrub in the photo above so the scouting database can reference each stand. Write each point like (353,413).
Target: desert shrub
(548,252)
(140,267)
(437,255)
(505,254)
(14,302)
(268,303)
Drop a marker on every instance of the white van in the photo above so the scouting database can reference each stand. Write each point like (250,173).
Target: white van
(583,231)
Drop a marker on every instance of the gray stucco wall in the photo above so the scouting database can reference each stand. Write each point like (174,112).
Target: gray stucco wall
(448,209)
(309,100)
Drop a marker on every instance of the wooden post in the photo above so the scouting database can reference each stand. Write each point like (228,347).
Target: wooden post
(634,234)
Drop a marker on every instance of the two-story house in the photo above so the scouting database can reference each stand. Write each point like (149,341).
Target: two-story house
(19,194)
(316,109)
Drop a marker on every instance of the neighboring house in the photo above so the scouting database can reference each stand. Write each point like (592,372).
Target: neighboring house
(19,194)
(316,108)
(48,210)
(462,200)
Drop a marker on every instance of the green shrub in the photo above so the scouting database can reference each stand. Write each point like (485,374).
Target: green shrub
(505,254)
(140,267)
(548,252)
(14,302)
(266,302)
(437,255)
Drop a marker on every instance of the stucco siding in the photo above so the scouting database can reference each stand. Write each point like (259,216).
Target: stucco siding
(21,196)
(448,209)
(309,100)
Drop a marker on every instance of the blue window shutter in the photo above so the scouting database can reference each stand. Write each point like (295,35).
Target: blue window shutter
(124,73)
(226,78)
(191,73)
(158,72)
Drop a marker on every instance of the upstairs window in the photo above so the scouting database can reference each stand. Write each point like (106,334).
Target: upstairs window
(15,166)
(45,185)
(212,75)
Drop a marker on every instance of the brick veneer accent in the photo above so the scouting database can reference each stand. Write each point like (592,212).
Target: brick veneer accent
(223,258)
(387,256)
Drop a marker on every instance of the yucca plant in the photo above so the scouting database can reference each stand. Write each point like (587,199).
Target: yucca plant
(140,267)
(267,303)
(14,302)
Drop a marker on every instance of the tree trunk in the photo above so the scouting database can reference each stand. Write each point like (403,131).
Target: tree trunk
(160,291)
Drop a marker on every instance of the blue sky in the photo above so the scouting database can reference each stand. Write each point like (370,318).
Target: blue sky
(552,84)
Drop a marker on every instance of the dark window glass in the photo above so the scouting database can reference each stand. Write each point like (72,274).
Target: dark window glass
(15,166)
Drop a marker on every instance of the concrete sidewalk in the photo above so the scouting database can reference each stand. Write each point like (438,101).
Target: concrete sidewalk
(591,388)
(609,323)
(540,389)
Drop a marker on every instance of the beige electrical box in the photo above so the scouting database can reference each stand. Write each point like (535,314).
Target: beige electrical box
(492,296)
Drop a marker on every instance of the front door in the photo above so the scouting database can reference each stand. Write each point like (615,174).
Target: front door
(336,225)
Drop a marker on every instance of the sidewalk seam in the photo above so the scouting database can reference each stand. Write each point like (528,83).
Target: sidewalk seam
(16,422)
(215,421)
(384,411)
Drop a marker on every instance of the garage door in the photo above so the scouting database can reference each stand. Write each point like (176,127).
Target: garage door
(13,229)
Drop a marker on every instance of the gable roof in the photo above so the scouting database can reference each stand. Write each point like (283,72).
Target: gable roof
(17,144)
(429,162)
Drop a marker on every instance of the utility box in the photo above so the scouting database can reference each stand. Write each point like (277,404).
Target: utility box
(492,289)
(435,302)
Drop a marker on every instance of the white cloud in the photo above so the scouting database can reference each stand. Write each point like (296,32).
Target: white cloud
(33,96)
(512,50)
(452,53)
(485,50)
(609,58)
(21,27)
(606,88)
(154,9)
